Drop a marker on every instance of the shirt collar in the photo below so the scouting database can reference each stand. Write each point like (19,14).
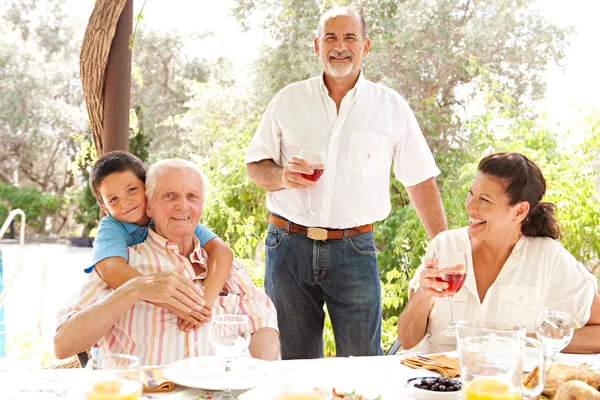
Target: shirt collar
(166,245)
(360,83)
(129,227)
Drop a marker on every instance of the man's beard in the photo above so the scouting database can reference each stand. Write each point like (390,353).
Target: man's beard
(339,69)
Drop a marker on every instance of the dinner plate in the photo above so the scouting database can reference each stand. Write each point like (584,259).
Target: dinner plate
(209,373)
(270,391)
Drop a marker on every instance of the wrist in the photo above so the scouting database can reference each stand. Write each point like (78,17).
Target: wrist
(131,290)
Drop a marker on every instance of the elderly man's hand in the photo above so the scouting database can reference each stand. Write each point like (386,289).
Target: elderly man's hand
(172,289)
(194,319)
(291,176)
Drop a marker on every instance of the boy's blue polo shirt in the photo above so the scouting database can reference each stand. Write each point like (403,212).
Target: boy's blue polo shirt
(113,238)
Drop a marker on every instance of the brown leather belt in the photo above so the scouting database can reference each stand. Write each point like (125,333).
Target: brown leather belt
(319,233)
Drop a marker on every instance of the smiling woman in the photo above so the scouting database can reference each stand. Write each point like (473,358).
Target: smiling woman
(516,267)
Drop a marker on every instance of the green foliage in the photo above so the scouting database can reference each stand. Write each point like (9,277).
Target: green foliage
(222,123)
(442,56)
(35,204)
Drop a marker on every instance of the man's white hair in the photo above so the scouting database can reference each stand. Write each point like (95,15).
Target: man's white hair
(161,167)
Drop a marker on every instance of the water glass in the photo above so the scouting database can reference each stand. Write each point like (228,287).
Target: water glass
(229,337)
(554,329)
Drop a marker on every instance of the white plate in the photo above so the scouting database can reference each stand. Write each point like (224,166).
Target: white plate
(270,391)
(209,373)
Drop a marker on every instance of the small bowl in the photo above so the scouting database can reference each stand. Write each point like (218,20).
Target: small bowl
(423,394)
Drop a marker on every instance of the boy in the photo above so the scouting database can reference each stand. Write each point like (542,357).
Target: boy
(117,180)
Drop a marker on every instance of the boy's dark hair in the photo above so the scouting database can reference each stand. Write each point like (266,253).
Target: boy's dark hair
(115,161)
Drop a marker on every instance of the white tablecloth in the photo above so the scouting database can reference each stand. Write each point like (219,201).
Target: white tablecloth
(371,376)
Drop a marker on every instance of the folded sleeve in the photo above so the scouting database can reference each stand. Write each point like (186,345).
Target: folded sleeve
(413,161)
(573,287)
(111,240)
(266,143)
(203,234)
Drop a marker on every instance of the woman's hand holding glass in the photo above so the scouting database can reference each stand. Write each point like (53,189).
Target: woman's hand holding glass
(431,281)
(444,276)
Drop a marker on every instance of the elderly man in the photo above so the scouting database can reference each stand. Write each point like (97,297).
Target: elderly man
(330,257)
(173,266)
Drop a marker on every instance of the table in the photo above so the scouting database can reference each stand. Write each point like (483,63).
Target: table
(370,376)
(378,375)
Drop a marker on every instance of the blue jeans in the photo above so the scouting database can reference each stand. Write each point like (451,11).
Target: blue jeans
(302,274)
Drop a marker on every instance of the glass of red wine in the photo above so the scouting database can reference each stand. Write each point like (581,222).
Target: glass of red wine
(316,160)
(454,264)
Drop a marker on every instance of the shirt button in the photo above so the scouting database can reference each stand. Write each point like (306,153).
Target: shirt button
(520,298)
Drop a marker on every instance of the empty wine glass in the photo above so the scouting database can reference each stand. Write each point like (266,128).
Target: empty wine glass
(316,160)
(229,337)
(114,376)
(454,264)
(554,329)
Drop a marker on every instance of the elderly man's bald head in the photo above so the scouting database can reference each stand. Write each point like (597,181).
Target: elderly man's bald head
(161,167)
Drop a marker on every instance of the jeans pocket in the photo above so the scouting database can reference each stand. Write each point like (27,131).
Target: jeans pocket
(363,244)
(274,237)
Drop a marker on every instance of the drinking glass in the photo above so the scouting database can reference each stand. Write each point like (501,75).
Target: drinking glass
(554,329)
(454,264)
(115,377)
(229,337)
(316,160)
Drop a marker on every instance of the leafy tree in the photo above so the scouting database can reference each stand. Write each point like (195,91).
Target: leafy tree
(440,55)
(162,70)
(41,103)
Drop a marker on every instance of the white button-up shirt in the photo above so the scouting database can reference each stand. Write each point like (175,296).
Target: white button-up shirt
(539,274)
(374,126)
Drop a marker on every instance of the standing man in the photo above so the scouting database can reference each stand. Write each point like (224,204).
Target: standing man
(330,257)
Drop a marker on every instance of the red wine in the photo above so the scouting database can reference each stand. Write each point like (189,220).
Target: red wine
(317,172)
(454,280)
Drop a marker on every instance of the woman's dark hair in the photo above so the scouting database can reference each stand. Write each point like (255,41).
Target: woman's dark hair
(524,181)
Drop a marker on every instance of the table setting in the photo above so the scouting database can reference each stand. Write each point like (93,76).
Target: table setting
(492,361)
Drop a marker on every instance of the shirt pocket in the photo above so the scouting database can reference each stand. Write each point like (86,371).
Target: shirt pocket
(519,305)
(368,153)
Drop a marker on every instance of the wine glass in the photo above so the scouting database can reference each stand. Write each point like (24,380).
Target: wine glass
(454,264)
(229,337)
(554,329)
(114,376)
(316,160)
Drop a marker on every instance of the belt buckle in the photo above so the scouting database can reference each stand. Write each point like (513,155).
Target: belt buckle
(316,233)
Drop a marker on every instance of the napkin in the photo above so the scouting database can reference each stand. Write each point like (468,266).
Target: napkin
(446,366)
(164,385)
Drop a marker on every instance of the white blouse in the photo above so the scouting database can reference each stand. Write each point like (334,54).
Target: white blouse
(539,274)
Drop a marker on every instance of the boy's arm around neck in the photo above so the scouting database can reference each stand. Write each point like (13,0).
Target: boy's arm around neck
(115,271)
(220,259)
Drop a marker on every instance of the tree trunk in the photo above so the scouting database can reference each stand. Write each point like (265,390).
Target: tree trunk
(95,51)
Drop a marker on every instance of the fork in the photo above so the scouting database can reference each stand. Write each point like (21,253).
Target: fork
(151,382)
(429,360)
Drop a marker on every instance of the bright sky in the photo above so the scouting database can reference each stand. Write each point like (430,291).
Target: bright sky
(578,86)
